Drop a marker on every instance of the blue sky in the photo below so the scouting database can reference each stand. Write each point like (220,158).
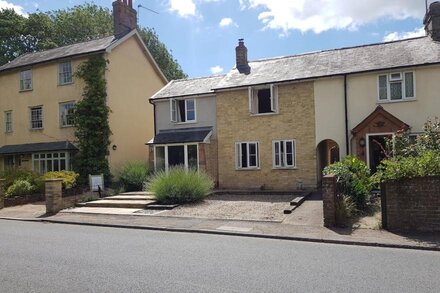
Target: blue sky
(202,34)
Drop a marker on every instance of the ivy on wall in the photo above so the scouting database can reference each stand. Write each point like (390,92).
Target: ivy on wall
(91,120)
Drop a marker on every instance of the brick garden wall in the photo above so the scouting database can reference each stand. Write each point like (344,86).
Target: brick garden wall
(412,204)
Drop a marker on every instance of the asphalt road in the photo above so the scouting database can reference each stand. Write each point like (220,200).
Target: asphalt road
(37,257)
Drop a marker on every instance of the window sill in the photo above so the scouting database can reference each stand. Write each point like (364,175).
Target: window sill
(36,129)
(184,123)
(66,126)
(248,169)
(8,132)
(396,101)
(284,168)
(67,83)
(263,114)
(23,91)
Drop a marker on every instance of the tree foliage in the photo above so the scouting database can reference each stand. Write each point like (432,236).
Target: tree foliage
(92,128)
(46,30)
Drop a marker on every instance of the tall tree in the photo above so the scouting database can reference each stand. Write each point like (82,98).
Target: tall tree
(46,30)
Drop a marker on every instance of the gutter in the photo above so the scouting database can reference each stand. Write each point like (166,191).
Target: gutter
(347,144)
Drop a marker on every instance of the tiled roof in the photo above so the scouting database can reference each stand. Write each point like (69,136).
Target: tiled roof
(373,57)
(404,53)
(184,135)
(188,87)
(88,47)
(36,147)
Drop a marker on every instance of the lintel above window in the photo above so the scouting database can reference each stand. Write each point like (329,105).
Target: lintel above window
(396,86)
(183,110)
(263,100)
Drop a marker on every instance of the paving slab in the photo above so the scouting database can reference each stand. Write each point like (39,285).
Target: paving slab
(104,211)
(128,197)
(135,204)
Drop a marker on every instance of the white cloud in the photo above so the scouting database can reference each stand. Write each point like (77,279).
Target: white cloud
(216,69)
(394,36)
(184,8)
(6,5)
(322,15)
(227,21)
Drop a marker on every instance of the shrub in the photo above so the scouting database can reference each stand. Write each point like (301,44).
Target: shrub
(180,186)
(20,187)
(69,178)
(353,177)
(19,174)
(133,175)
(345,209)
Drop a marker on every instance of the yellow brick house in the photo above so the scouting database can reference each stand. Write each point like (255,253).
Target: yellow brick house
(38,92)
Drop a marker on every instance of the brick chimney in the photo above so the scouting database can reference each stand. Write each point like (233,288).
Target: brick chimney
(432,21)
(124,17)
(241,58)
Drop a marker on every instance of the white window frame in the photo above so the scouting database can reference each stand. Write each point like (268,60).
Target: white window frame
(175,111)
(8,121)
(62,74)
(24,88)
(253,91)
(66,158)
(402,80)
(185,152)
(63,117)
(31,118)
(283,156)
(238,155)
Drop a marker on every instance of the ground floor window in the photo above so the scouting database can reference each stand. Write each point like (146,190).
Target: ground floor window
(247,155)
(168,156)
(11,162)
(47,162)
(283,153)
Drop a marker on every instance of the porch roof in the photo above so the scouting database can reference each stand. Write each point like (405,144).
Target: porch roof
(37,147)
(184,135)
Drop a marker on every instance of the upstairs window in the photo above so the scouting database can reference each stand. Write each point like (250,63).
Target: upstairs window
(26,80)
(247,155)
(183,110)
(65,75)
(8,121)
(396,86)
(36,118)
(66,114)
(284,154)
(263,100)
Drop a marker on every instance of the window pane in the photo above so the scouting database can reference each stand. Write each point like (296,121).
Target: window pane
(182,111)
(190,110)
(383,90)
(396,90)
(244,154)
(409,85)
(264,101)
(252,155)
(289,158)
(160,158)
(277,153)
(192,157)
(56,165)
(62,164)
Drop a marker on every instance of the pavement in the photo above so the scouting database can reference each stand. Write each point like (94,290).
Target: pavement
(296,227)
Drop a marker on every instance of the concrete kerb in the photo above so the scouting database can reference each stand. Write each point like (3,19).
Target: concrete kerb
(236,234)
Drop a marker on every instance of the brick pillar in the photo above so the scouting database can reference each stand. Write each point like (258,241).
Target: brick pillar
(2,193)
(202,157)
(329,200)
(54,200)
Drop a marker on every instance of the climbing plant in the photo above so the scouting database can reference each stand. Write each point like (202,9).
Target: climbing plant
(91,120)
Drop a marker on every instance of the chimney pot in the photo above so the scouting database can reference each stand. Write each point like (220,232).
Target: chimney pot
(242,63)
(432,21)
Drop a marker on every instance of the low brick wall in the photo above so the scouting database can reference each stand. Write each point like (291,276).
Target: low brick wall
(411,204)
(329,193)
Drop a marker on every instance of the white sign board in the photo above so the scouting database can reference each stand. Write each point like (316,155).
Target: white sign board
(96,181)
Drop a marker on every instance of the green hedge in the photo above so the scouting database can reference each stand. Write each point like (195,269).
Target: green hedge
(133,175)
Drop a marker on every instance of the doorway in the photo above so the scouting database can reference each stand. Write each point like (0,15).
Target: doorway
(376,150)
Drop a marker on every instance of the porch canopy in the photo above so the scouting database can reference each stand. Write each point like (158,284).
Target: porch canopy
(37,147)
(184,135)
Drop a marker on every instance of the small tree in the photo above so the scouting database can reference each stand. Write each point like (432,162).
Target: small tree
(91,120)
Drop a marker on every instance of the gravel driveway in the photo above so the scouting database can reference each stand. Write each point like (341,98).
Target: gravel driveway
(236,207)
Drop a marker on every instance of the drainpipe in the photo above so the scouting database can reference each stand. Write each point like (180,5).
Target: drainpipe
(154,115)
(347,144)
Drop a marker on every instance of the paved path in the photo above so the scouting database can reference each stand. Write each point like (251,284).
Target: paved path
(40,257)
(310,213)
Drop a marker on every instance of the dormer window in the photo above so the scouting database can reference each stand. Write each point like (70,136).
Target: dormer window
(396,86)
(183,110)
(65,75)
(263,100)
(26,80)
